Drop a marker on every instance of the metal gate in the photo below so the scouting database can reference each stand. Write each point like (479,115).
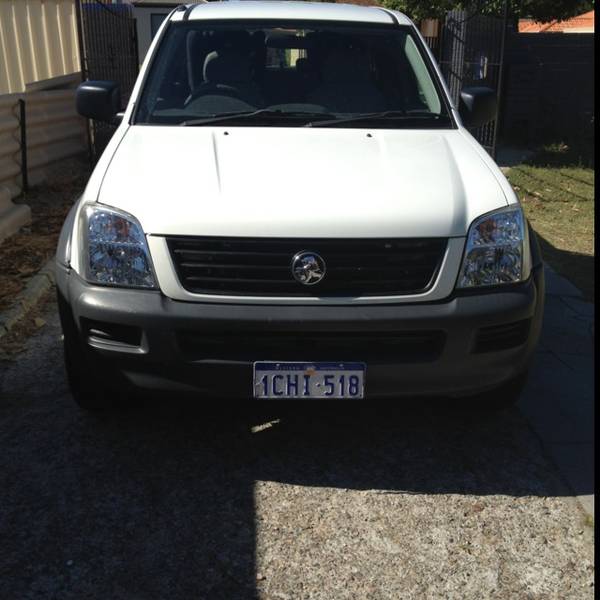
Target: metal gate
(108,50)
(470,51)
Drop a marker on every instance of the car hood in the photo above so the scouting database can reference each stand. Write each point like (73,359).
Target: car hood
(300,182)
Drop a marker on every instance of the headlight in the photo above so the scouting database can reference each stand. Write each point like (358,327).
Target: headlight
(497,250)
(115,249)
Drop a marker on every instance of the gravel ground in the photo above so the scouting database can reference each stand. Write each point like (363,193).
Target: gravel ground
(177,502)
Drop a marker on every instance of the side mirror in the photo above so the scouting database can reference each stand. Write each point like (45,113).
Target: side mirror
(98,100)
(477,106)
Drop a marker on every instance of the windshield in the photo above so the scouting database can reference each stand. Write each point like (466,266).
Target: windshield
(292,74)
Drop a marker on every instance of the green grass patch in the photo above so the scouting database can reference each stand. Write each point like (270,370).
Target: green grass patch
(556,189)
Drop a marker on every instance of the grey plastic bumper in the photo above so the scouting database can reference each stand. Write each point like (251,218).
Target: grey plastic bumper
(158,362)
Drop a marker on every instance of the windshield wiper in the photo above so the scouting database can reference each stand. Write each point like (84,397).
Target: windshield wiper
(386,114)
(261,112)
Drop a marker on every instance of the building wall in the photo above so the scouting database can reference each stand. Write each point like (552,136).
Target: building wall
(38,41)
(147,18)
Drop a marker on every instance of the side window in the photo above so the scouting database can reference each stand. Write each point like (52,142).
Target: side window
(282,58)
(275,58)
(425,86)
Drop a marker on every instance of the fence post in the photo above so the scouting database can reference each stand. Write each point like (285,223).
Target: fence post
(456,28)
(84,73)
(23,127)
(500,78)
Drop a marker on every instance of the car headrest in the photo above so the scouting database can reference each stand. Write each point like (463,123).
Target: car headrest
(195,52)
(226,66)
(302,65)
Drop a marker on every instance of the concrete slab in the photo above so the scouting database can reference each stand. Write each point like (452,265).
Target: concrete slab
(559,398)
(585,309)
(566,331)
(557,285)
(578,461)
(558,414)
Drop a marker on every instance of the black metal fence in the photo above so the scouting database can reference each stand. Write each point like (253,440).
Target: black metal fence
(108,50)
(470,51)
(549,88)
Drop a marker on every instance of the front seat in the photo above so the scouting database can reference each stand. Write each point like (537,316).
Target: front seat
(346,85)
(228,84)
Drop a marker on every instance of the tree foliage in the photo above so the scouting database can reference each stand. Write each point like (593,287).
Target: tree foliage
(539,10)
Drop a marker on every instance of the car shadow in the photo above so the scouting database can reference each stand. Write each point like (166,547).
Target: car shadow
(433,447)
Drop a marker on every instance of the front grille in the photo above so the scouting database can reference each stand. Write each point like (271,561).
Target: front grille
(405,346)
(502,337)
(262,266)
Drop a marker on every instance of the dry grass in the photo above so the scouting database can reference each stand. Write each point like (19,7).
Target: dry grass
(557,192)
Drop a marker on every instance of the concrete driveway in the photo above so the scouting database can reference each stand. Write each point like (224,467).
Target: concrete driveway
(559,399)
(167,501)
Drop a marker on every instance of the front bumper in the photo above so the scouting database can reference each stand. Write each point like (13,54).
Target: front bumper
(160,344)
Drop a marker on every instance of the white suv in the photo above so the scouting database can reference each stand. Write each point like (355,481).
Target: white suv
(291,207)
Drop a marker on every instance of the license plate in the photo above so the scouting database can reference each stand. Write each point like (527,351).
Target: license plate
(282,380)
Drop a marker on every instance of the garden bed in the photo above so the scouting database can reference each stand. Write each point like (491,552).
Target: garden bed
(25,253)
